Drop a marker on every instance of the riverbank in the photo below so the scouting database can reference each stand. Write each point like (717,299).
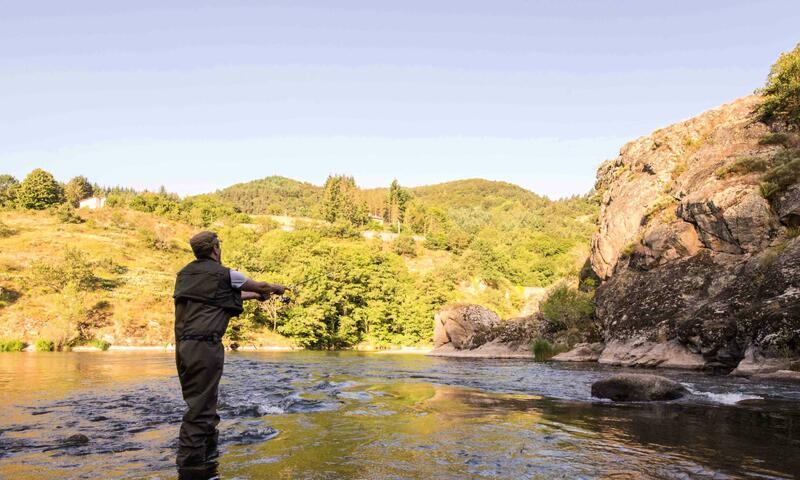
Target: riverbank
(243,348)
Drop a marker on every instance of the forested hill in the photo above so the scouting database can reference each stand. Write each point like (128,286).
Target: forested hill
(273,195)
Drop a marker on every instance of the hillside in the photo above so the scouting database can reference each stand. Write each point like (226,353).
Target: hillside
(274,196)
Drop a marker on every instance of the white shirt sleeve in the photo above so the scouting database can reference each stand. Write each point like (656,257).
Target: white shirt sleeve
(237,279)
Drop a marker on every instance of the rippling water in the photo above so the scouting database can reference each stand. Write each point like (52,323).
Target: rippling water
(370,416)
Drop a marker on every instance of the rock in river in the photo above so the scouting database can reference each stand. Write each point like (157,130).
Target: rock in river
(76,439)
(629,387)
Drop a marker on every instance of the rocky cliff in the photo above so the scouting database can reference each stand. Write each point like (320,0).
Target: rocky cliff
(698,268)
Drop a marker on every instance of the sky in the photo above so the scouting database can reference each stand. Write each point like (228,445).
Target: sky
(198,95)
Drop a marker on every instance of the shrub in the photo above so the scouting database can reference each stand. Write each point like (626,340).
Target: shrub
(544,350)
(45,345)
(97,343)
(742,166)
(776,138)
(782,91)
(567,308)
(784,173)
(72,268)
(793,232)
(66,214)
(156,240)
(11,345)
(405,245)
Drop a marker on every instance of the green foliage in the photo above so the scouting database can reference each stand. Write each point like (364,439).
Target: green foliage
(396,203)
(66,214)
(274,196)
(99,344)
(199,210)
(782,91)
(663,203)
(8,191)
(785,171)
(743,166)
(39,190)
(43,345)
(776,138)
(156,240)
(73,268)
(544,350)
(567,308)
(341,202)
(11,345)
(77,189)
(405,246)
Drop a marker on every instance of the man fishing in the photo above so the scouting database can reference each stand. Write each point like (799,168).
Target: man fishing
(207,295)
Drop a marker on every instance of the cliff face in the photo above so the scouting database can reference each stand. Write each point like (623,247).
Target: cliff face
(690,258)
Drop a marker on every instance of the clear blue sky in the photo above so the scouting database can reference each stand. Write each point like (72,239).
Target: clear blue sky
(198,95)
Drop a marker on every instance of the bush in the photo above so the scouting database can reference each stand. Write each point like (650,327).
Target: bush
(101,344)
(156,240)
(544,350)
(66,214)
(743,166)
(567,308)
(784,173)
(73,268)
(782,91)
(405,245)
(11,345)
(777,138)
(45,345)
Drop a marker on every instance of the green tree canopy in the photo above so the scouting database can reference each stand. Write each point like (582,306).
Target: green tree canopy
(782,91)
(341,201)
(77,189)
(8,190)
(39,190)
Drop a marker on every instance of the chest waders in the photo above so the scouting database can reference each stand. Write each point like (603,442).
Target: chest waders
(205,301)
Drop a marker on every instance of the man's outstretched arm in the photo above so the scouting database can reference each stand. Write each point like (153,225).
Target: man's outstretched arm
(261,289)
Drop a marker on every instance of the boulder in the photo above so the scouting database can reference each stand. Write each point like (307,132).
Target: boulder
(582,352)
(629,387)
(642,353)
(464,326)
(756,363)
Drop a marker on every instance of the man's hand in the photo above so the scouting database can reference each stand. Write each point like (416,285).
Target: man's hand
(263,288)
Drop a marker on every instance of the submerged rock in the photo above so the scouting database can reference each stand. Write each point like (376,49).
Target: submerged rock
(583,352)
(629,387)
(76,439)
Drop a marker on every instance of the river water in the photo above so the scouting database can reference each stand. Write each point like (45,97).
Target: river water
(372,416)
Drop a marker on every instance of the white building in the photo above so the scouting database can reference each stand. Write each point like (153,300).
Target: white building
(92,203)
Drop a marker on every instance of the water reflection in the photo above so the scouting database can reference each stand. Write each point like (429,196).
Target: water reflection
(322,415)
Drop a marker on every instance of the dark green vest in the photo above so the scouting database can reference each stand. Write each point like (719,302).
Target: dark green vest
(208,282)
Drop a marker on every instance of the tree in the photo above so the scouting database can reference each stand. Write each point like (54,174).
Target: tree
(341,202)
(782,91)
(8,190)
(396,203)
(77,189)
(39,190)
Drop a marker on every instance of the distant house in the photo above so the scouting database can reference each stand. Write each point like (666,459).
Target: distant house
(92,203)
(377,219)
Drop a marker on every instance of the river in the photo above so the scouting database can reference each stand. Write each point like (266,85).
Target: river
(371,416)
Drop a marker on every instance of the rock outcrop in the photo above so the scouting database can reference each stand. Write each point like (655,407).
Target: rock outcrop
(628,387)
(465,330)
(696,267)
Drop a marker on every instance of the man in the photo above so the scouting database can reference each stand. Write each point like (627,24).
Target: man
(207,295)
